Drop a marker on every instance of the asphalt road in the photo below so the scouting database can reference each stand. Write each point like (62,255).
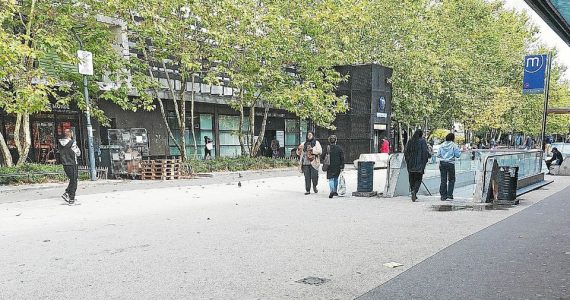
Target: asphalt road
(526,256)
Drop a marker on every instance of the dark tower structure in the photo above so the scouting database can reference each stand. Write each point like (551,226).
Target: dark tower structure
(367,121)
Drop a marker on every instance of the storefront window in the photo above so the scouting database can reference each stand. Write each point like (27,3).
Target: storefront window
(203,127)
(44,142)
(292,138)
(229,139)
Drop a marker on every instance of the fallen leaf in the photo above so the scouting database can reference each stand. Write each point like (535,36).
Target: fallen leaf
(393,265)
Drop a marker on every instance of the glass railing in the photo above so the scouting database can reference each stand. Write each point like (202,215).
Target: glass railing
(471,163)
(529,162)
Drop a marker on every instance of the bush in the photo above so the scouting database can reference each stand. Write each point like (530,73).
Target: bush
(34,173)
(238,164)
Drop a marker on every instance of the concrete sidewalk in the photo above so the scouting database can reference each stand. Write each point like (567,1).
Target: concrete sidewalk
(29,192)
(221,241)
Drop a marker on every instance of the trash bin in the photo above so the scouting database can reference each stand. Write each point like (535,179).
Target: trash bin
(507,178)
(365,176)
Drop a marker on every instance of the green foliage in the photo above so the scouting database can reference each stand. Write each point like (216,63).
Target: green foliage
(34,173)
(38,59)
(439,134)
(239,164)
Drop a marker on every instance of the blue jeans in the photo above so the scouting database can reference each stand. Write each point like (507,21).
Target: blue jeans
(447,171)
(333,184)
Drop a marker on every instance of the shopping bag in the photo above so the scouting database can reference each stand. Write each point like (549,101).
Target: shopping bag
(341,191)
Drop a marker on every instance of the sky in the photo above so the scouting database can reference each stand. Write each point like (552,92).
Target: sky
(547,35)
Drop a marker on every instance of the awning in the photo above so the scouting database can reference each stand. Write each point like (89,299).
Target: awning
(556,13)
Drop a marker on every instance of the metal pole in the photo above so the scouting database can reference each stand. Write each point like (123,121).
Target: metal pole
(546,95)
(92,169)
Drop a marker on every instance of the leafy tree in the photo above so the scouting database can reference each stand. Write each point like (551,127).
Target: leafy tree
(38,56)
(173,43)
(275,58)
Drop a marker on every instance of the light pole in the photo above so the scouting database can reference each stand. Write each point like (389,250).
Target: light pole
(92,170)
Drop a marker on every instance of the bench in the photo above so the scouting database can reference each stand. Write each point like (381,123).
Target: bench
(380,159)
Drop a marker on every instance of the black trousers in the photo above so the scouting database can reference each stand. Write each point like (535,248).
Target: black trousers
(447,185)
(71,173)
(311,175)
(415,179)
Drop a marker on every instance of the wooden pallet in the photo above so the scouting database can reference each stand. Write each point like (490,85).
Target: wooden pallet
(165,169)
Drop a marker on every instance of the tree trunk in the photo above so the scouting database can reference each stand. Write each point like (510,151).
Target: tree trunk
(22,137)
(160,103)
(240,132)
(192,119)
(251,137)
(180,111)
(181,114)
(262,133)
(5,151)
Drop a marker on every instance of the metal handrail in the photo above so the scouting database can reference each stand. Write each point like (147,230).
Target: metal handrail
(505,154)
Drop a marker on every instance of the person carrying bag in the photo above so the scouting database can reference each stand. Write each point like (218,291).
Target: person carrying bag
(309,153)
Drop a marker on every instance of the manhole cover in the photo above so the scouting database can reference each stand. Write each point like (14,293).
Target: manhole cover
(313,280)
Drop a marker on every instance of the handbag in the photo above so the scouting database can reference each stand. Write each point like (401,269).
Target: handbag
(327,161)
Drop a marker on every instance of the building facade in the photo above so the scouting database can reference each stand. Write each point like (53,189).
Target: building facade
(359,130)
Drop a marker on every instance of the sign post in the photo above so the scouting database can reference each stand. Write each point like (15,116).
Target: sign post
(85,68)
(537,81)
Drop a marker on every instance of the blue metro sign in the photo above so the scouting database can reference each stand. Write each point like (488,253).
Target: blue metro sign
(534,73)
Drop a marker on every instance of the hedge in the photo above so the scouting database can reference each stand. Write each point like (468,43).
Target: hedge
(35,173)
(238,164)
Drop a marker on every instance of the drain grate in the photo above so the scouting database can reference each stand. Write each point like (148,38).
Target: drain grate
(313,280)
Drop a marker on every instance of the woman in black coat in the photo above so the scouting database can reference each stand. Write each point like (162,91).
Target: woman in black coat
(416,155)
(336,165)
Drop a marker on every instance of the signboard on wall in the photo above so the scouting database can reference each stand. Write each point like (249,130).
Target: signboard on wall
(380,126)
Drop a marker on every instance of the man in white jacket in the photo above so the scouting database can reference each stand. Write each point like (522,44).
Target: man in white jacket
(69,152)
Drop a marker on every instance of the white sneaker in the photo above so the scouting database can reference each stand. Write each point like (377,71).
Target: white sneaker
(65,197)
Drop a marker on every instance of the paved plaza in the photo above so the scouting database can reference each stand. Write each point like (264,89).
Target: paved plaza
(211,239)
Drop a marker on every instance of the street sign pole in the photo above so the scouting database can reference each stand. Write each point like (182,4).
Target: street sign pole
(86,69)
(546,95)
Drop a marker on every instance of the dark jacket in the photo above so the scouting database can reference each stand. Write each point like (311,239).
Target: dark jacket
(556,155)
(417,157)
(68,152)
(337,161)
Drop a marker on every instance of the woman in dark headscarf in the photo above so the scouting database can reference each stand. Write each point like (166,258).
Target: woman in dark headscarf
(309,153)
(416,155)
(336,156)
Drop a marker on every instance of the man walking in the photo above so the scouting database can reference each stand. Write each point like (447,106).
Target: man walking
(69,152)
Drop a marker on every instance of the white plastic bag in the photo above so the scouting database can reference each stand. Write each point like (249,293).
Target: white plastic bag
(341,185)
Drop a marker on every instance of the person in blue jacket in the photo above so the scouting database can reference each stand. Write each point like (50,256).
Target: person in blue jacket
(447,154)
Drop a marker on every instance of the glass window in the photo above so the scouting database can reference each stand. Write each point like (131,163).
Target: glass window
(229,139)
(203,127)
(230,151)
(206,122)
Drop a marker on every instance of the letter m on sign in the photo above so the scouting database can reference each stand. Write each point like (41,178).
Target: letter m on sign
(534,73)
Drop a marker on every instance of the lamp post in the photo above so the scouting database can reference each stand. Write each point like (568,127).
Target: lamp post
(92,171)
